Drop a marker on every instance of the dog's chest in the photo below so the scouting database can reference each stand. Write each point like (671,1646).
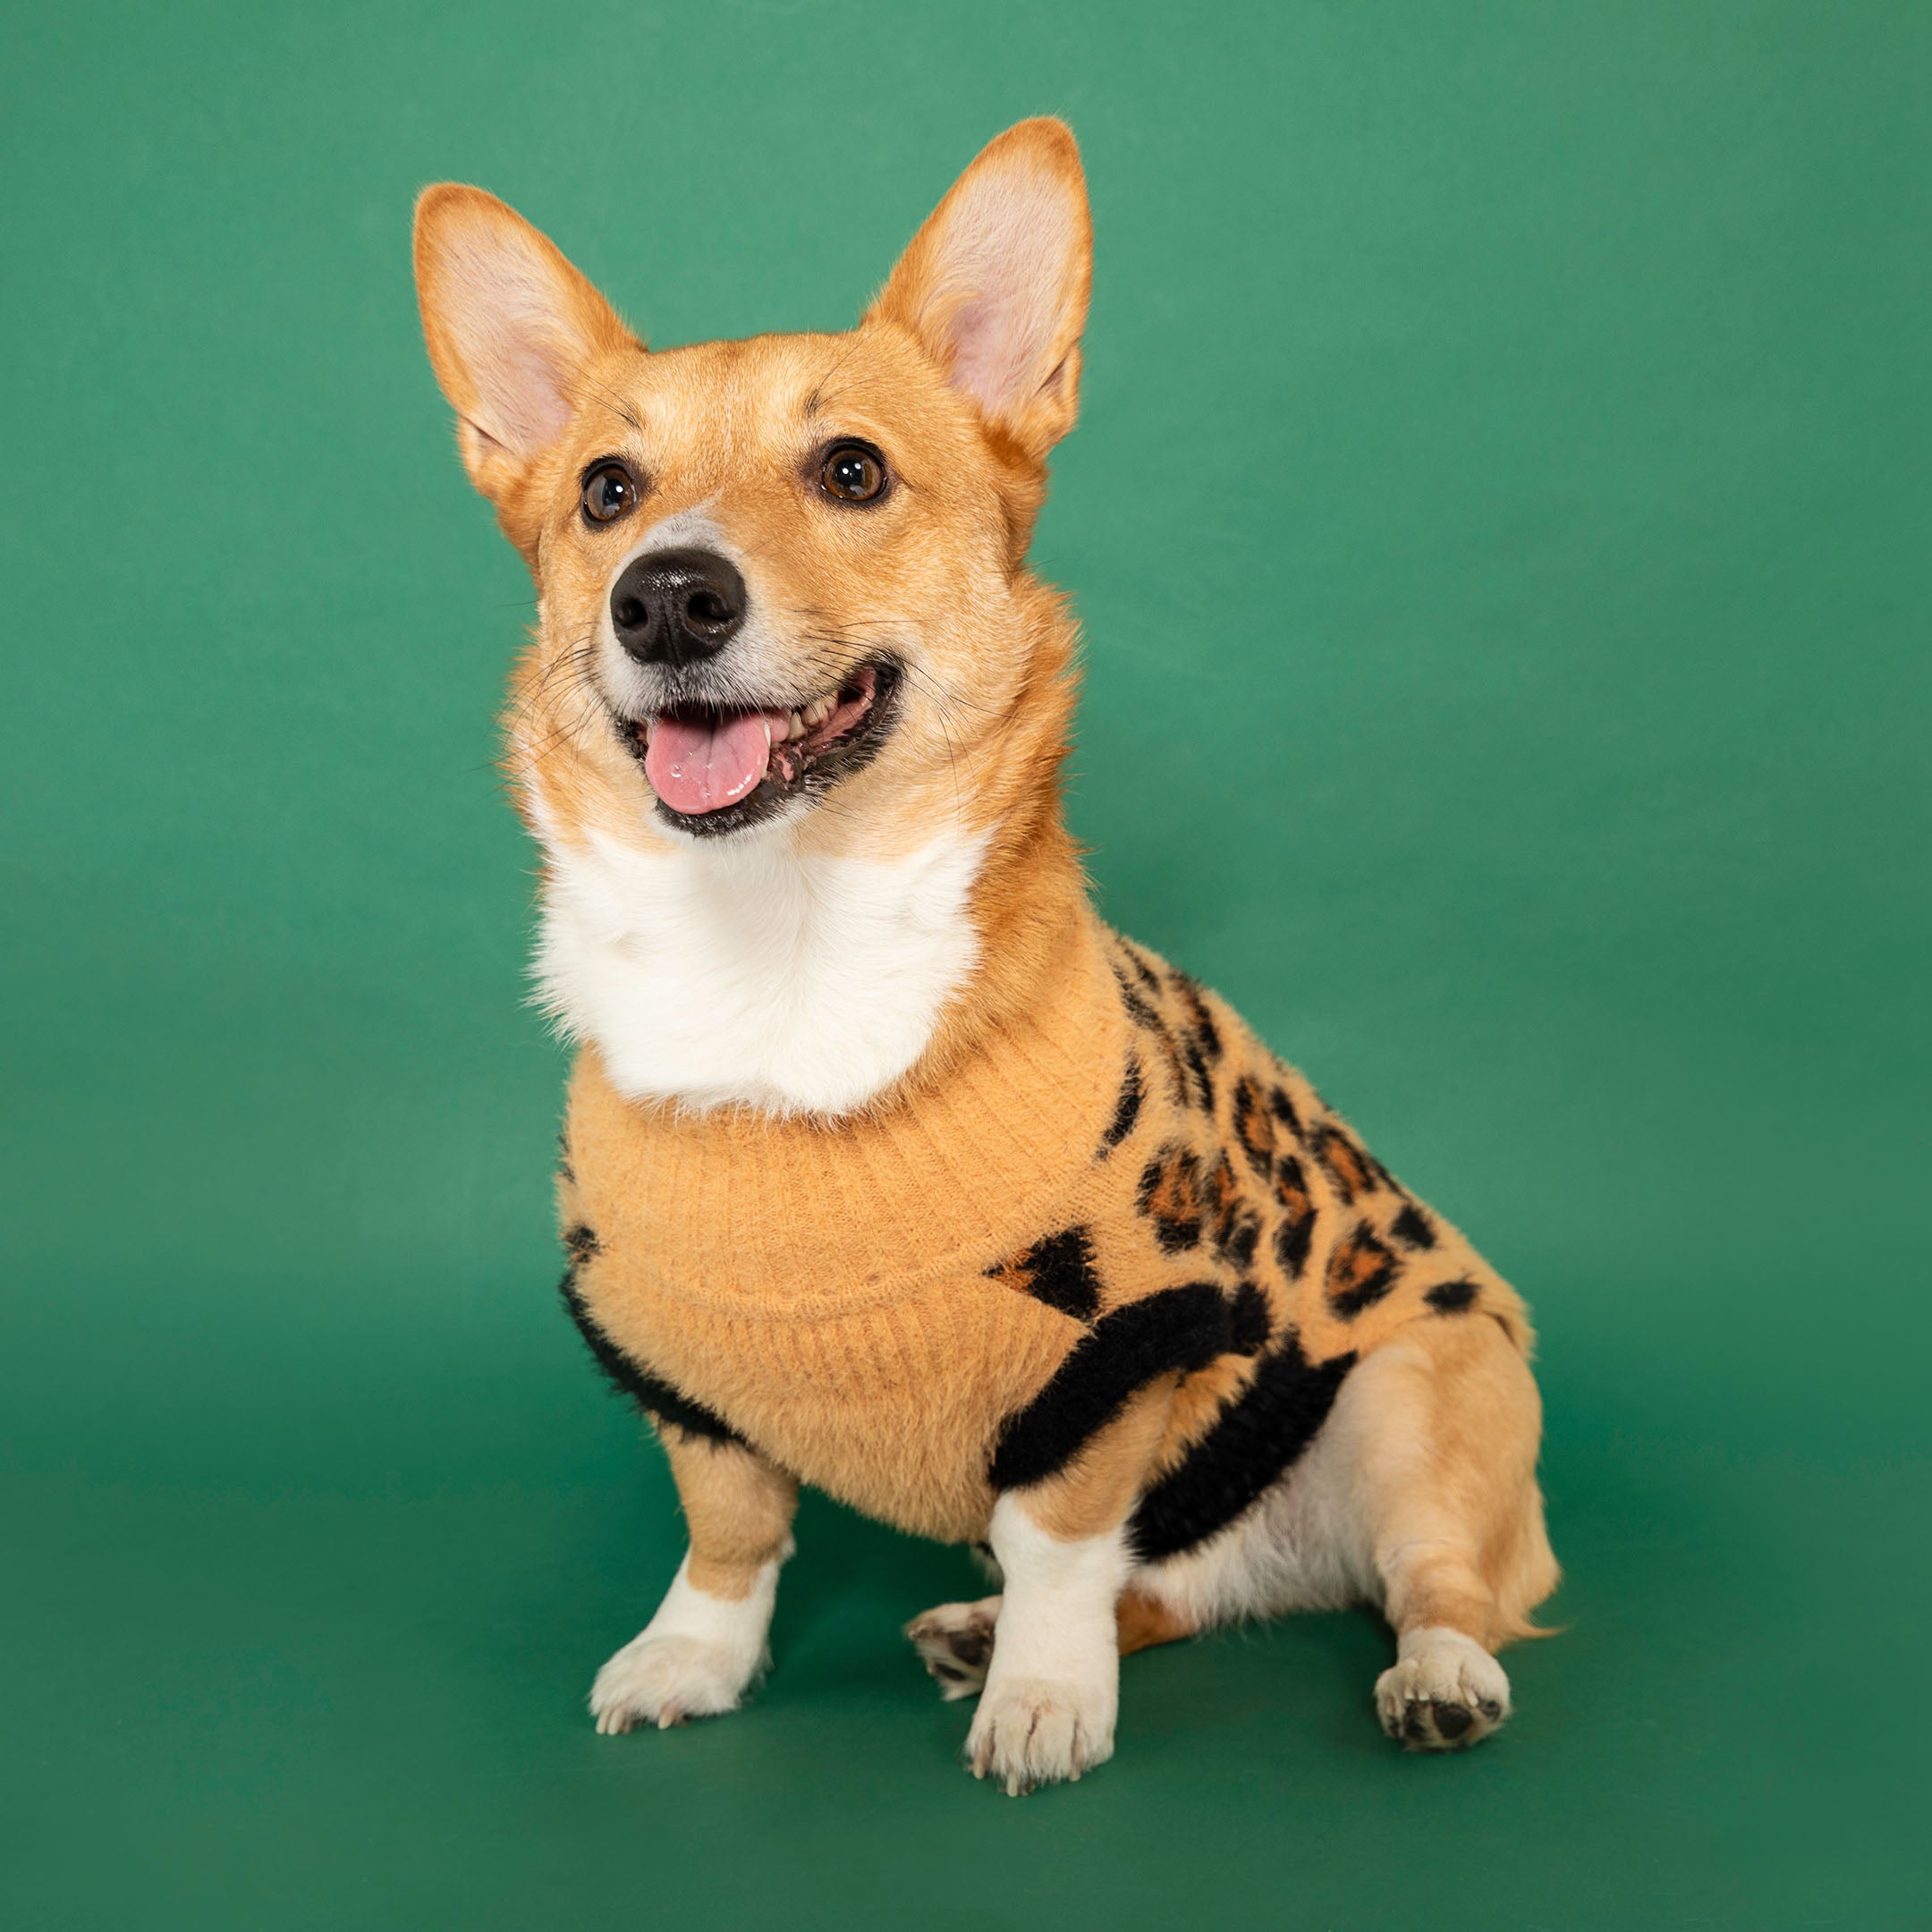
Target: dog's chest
(891,1405)
(827,1288)
(751,974)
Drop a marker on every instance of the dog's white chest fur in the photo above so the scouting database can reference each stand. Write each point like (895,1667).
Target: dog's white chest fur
(745,971)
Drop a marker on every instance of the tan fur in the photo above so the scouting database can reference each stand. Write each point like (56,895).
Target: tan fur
(1097,1492)
(738,1507)
(1144,1621)
(851,1294)
(1451,1483)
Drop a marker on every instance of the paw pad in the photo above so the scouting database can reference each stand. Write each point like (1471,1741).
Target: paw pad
(955,1644)
(1446,1693)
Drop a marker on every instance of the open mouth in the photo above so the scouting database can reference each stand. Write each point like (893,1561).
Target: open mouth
(717,769)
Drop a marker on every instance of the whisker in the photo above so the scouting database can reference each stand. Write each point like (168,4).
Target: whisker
(615,404)
(816,400)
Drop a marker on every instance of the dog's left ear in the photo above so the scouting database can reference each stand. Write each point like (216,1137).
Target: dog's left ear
(995,285)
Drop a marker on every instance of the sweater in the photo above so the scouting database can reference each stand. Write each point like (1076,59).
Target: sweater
(924,1304)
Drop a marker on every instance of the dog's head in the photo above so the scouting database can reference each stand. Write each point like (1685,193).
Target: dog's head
(780,581)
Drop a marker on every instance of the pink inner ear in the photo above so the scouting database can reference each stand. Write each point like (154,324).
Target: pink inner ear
(982,357)
(531,391)
(505,308)
(1010,246)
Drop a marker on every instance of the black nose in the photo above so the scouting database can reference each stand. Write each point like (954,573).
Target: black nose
(676,607)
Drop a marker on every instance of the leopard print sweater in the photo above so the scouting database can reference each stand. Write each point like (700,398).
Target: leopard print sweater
(918,1308)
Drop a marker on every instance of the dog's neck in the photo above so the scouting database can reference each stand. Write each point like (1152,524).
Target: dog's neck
(757,974)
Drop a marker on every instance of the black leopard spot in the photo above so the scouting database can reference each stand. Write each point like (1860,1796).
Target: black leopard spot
(1150,1022)
(1348,1166)
(1254,1126)
(1184,1329)
(1199,1018)
(1296,1229)
(667,1406)
(580,1242)
(1258,1435)
(1197,1063)
(1284,1110)
(1252,1319)
(1059,1271)
(1361,1272)
(1233,1226)
(1170,1196)
(1139,961)
(1453,1297)
(1177,1074)
(1126,1109)
(1412,1227)
(1135,1001)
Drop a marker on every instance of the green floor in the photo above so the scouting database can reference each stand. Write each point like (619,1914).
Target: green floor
(309,1705)
(1500,517)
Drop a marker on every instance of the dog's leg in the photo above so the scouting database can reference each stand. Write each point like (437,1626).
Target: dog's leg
(955,1640)
(699,1655)
(1445,1423)
(1053,1683)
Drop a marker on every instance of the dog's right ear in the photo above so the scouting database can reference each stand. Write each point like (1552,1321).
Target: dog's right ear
(511,328)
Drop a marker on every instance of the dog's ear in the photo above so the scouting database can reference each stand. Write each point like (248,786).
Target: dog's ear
(512,326)
(995,285)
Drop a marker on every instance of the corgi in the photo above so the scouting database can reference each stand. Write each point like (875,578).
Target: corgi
(887,1167)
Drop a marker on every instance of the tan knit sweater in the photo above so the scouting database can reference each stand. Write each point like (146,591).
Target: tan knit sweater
(915,1307)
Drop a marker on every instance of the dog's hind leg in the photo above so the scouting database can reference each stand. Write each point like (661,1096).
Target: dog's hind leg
(697,1657)
(1442,1425)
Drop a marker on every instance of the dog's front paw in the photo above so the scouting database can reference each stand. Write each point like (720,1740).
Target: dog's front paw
(663,1681)
(1034,1731)
(1443,1693)
(956,1643)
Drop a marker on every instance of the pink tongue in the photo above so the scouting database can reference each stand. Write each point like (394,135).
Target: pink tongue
(701,767)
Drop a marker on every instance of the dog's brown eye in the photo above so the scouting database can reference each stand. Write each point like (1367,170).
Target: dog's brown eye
(609,492)
(853,473)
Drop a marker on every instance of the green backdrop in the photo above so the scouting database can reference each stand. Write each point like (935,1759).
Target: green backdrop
(1501,523)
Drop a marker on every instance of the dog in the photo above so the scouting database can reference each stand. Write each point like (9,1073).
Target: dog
(887,1167)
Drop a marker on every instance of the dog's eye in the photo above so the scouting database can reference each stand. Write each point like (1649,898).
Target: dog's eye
(609,492)
(853,473)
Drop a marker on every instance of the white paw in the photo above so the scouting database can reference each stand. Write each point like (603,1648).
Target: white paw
(1443,1693)
(1032,1731)
(956,1643)
(662,1680)
(695,1658)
